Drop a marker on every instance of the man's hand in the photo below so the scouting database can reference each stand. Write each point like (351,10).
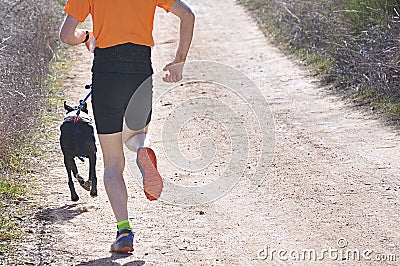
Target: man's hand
(175,72)
(87,43)
(186,16)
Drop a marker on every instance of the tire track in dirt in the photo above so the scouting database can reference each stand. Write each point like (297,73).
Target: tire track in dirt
(334,175)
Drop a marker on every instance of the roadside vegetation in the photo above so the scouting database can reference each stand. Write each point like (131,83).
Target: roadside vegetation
(353,45)
(29,92)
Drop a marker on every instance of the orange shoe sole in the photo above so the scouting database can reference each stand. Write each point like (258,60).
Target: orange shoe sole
(123,250)
(152,180)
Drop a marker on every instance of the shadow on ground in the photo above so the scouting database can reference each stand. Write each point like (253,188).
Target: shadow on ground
(111,261)
(65,213)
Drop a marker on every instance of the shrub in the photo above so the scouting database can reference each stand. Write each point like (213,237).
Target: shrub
(352,44)
(28,37)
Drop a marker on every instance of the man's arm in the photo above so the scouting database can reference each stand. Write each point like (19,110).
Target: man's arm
(185,14)
(69,34)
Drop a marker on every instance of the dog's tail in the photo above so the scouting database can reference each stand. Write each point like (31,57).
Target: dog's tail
(81,158)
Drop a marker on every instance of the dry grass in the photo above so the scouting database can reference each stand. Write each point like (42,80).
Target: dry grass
(28,39)
(352,44)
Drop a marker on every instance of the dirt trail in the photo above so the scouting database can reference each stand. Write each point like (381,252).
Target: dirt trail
(335,173)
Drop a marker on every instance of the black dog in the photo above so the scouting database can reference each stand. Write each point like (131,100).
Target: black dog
(77,140)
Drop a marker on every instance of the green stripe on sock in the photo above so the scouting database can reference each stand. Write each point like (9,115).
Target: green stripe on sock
(124,225)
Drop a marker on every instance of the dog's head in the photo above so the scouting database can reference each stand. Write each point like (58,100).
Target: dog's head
(69,108)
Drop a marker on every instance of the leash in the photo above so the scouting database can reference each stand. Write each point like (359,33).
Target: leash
(83,102)
(77,132)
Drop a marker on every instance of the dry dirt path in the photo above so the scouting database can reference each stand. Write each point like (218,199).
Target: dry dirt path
(335,172)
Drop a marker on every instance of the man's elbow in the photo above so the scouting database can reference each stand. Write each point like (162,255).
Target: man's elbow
(63,36)
(188,17)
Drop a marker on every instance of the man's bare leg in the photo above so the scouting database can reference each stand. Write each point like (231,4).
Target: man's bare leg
(138,141)
(114,163)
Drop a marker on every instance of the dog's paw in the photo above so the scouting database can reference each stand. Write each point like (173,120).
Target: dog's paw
(74,197)
(86,185)
(80,179)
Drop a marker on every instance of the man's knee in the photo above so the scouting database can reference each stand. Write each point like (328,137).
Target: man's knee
(114,167)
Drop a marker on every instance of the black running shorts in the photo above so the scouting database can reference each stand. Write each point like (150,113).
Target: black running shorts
(120,73)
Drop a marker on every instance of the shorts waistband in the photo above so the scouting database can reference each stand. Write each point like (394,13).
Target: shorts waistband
(126,51)
(123,58)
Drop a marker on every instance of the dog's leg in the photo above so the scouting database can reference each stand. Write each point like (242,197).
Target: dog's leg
(75,172)
(92,175)
(81,180)
(69,164)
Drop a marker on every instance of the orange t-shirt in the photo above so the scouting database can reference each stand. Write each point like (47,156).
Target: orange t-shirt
(118,21)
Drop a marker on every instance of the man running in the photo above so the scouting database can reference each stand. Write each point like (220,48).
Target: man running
(122,40)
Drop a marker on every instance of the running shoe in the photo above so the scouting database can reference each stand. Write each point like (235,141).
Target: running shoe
(123,243)
(152,181)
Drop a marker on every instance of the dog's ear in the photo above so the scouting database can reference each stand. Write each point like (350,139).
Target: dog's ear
(67,107)
(84,107)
